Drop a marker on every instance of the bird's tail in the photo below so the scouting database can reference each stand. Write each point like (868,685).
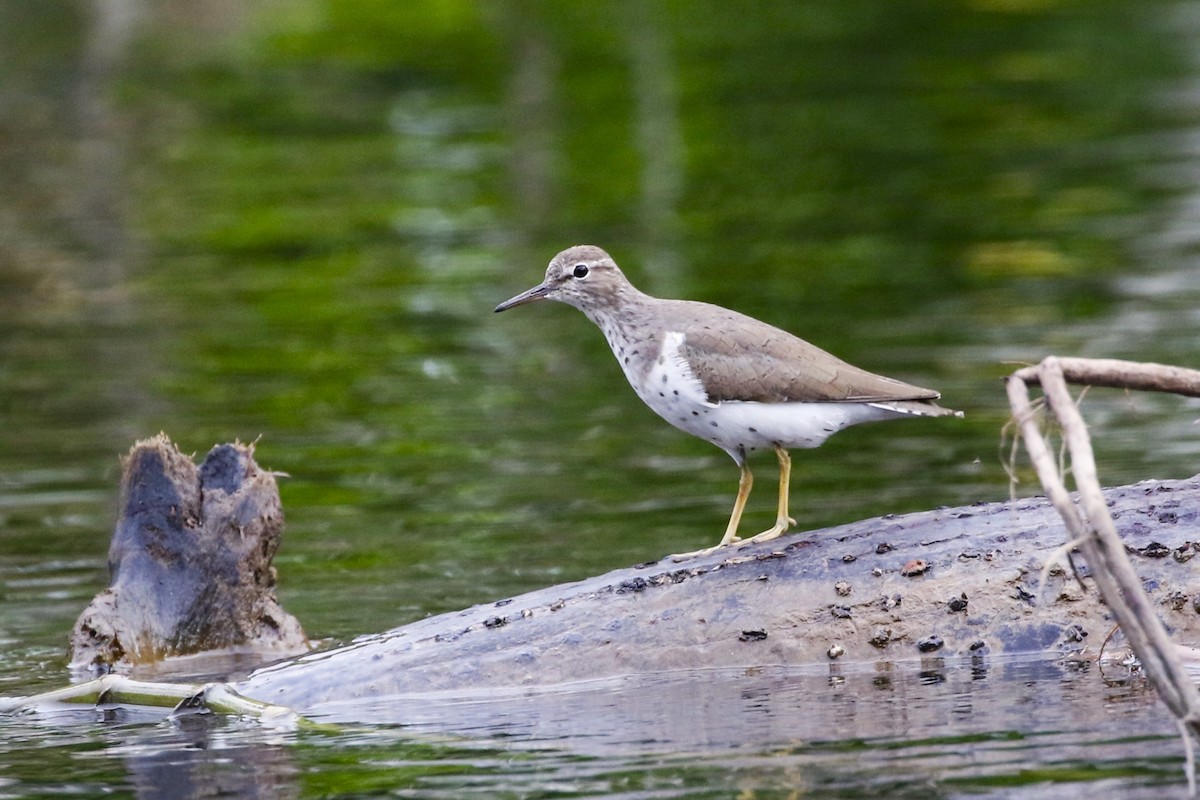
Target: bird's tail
(917,408)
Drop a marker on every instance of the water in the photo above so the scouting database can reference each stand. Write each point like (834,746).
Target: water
(290,223)
(1028,728)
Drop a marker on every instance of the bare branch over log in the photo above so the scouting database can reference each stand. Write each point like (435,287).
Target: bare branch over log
(1090,524)
(1117,374)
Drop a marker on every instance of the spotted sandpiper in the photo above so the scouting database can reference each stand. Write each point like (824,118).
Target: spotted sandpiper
(725,377)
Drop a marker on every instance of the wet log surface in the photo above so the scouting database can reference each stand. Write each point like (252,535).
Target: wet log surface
(190,563)
(951,581)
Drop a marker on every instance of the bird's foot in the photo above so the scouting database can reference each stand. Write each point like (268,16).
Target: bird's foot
(730,538)
(774,532)
(706,551)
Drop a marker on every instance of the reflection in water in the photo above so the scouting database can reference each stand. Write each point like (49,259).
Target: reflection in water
(203,760)
(94,751)
(102,195)
(1037,726)
(762,710)
(888,728)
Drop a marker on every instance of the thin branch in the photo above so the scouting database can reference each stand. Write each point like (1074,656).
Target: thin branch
(120,689)
(1091,526)
(1117,374)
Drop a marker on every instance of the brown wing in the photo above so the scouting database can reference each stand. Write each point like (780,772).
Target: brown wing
(740,358)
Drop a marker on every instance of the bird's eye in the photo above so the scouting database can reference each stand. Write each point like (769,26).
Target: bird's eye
(580,271)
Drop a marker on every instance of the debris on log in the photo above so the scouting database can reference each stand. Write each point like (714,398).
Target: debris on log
(190,563)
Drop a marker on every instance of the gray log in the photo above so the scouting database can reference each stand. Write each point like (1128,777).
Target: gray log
(952,581)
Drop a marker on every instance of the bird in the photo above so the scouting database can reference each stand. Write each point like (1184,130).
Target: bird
(725,377)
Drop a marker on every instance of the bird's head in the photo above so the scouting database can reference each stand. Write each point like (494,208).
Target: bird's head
(583,276)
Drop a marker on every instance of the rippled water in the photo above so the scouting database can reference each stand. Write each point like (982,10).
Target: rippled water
(1028,728)
(290,224)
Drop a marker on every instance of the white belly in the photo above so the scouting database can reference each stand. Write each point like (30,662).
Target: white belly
(744,427)
(740,427)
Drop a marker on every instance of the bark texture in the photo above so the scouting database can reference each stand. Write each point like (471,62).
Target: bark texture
(938,583)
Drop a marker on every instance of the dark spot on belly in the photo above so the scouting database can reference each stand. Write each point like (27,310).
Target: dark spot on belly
(714,424)
(753,430)
(695,413)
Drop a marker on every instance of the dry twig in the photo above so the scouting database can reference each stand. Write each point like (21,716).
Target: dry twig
(1089,523)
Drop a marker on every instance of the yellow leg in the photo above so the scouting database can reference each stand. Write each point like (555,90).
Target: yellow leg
(782,520)
(739,505)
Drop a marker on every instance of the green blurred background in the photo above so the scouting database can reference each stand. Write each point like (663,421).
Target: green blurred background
(288,222)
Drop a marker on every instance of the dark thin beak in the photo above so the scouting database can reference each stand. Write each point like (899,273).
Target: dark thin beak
(538,292)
